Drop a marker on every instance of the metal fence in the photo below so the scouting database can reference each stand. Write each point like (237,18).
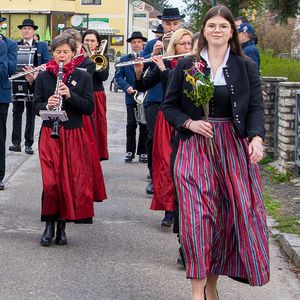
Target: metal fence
(297,133)
(289,55)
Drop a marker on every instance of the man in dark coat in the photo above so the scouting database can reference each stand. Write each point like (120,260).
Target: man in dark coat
(8,64)
(171,21)
(28,30)
(125,80)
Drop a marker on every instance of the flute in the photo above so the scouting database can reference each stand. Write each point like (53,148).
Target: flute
(134,62)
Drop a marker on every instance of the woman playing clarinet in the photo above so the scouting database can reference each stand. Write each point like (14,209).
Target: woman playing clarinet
(67,163)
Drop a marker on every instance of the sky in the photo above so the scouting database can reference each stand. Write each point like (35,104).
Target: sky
(177,3)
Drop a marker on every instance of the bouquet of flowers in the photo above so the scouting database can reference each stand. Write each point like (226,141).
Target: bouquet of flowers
(203,88)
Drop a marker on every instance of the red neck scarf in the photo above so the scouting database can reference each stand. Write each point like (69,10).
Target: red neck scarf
(79,60)
(173,62)
(68,68)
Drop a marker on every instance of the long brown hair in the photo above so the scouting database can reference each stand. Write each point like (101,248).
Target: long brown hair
(225,13)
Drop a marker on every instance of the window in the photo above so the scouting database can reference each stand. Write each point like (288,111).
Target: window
(90,2)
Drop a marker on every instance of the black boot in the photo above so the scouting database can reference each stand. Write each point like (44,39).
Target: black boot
(61,238)
(180,259)
(48,234)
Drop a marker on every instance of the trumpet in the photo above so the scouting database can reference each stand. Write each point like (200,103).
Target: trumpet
(98,57)
(21,74)
(134,62)
(166,38)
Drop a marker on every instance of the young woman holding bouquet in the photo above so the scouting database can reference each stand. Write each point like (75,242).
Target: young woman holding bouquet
(223,226)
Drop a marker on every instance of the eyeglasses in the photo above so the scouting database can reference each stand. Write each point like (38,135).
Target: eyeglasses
(213,27)
(184,43)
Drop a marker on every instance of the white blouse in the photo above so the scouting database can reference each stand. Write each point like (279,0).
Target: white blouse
(219,78)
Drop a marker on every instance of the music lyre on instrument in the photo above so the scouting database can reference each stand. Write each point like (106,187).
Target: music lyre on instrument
(140,97)
(56,115)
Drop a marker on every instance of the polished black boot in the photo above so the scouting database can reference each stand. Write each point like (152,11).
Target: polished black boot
(48,234)
(61,238)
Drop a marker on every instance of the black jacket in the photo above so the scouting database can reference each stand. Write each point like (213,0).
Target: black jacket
(80,103)
(244,88)
(153,77)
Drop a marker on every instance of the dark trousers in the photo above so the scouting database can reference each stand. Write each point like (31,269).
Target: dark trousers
(151,115)
(3,119)
(131,132)
(18,109)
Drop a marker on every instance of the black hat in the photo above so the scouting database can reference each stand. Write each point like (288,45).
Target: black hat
(28,22)
(2,19)
(136,35)
(159,29)
(171,14)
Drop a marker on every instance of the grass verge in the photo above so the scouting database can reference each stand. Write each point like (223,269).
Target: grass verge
(287,224)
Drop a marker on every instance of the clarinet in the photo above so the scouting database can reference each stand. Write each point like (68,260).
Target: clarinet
(55,133)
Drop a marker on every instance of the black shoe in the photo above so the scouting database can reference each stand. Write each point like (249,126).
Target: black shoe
(150,189)
(143,158)
(61,238)
(28,150)
(14,147)
(129,157)
(168,220)
(48,234)
(180,259)
(1,185)
(205,293)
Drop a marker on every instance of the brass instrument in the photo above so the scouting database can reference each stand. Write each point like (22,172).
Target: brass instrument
(166,41)
(98,57)
(134,62)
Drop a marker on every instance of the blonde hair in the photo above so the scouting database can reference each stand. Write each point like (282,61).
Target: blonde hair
(175,39)
(74,33)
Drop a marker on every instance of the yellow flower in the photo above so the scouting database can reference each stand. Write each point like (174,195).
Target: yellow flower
(190,79)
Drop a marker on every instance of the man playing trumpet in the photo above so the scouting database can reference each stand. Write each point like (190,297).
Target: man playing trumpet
(171,21)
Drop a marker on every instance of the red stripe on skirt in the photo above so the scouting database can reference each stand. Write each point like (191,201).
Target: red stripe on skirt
(100,121)
(223,222)
(164,190)
(68,171)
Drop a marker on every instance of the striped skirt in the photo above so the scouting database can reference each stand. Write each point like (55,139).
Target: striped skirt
(222,218)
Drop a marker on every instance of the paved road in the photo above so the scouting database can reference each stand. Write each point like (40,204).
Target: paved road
(124,255)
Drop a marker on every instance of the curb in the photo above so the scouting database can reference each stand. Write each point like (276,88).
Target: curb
(290,243)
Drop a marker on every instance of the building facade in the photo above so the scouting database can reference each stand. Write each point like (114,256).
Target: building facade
(113,19)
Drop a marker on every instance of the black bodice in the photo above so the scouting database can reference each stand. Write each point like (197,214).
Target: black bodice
(220,105)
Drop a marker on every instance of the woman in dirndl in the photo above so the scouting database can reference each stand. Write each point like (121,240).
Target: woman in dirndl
(68,163)
(223,228)
(92,38)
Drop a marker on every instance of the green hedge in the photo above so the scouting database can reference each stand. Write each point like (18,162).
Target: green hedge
(274,66)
